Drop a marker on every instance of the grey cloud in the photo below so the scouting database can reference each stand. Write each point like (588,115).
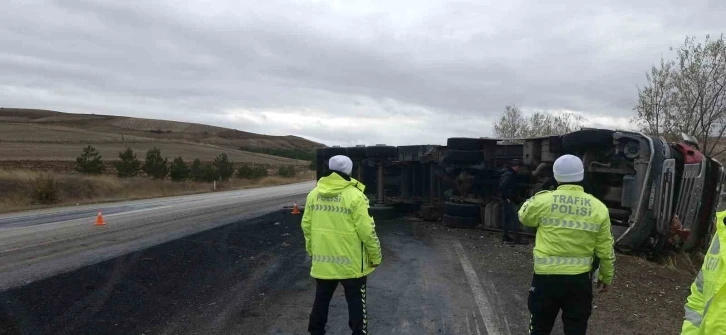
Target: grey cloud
(435,62)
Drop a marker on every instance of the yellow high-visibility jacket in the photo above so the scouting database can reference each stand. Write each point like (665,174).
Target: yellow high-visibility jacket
(706,306)
(340,235)
(572,226)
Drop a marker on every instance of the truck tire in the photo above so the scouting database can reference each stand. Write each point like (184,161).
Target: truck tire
(330,152)
(464,143)
(321,163)
(463,157)
(600,138)
(381,152)
(463,210)
(356,153)
(452,221)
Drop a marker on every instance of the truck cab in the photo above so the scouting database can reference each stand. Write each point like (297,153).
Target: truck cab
(645,181)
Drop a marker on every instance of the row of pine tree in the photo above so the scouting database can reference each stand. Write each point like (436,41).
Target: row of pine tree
(157,167)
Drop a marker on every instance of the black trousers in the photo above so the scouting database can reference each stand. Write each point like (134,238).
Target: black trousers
(355,295)
(551,293)
(510,221)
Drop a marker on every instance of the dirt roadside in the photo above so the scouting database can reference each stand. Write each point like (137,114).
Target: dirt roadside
(22,189)
(646,298)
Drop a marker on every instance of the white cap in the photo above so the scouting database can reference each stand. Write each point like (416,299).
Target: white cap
(341,163)
(568,169)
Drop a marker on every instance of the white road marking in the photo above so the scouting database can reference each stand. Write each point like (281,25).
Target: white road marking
(506,324)
(491,323)
(498,298)
(28,246)
(476,323)
(138,211)
(468,327)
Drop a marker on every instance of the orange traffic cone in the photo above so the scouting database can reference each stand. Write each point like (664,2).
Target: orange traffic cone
(99,219)
(295,210)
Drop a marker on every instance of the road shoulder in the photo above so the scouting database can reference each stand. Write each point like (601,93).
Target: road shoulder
(646,298)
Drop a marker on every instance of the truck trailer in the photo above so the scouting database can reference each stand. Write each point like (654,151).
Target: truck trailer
(660,194)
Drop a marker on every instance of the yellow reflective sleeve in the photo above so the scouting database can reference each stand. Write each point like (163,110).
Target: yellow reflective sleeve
(604,249)
(695,304)
(366,228)
(307,224)
(693,311)
(529,212)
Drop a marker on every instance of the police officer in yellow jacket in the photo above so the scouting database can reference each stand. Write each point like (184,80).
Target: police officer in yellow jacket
(706,306)
(340,237)
(572,227)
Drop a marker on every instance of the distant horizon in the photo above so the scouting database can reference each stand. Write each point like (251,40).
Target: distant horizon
(147,118)
(373,143)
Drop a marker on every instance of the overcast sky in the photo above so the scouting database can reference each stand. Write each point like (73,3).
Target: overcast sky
(341,72)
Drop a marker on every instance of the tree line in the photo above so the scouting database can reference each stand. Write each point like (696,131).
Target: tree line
(514,124)
(300,154)
(687,94)
(683,94)
(157,167)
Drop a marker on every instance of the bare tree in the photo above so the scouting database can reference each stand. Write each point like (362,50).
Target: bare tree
(656,101)
(688,95)
(514,124)
(544,124)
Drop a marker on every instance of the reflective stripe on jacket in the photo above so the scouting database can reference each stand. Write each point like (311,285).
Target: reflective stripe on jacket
(705,310)
(572,226)
(340,235)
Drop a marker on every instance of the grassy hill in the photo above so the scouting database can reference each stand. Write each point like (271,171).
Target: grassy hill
(44,135)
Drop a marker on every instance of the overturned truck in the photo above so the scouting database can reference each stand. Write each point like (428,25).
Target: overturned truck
(659,194)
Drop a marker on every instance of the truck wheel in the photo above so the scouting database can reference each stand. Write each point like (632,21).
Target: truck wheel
(464,157)
(452,221)
(463,210)
(463,143)
(381,152)
(600,138)
(330,152)
(356,153)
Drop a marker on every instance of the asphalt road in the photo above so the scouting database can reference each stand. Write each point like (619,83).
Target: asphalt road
(39,244)
(252,277)
(425,285)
